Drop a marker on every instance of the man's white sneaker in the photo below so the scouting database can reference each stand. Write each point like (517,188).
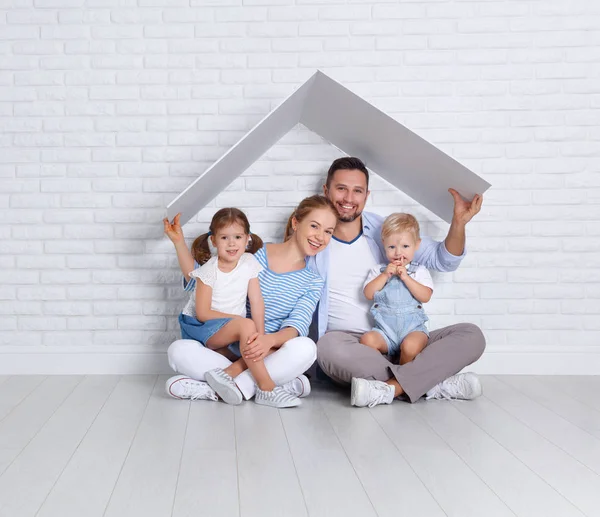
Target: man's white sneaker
(299,387)
(370,393)
(463,386)
(182,387)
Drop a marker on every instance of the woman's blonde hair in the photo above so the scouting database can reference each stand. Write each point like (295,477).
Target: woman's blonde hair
(223,218)
(399,223)
(306,206)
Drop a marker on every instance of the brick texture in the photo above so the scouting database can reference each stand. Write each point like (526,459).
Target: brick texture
(108,109)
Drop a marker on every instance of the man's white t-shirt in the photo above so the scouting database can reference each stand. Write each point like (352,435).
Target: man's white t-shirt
(349,265)
(229,290)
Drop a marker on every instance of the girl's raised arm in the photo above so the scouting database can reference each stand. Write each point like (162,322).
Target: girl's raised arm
(175,234)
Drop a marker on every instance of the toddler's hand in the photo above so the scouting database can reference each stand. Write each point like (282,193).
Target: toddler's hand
(402,273)
(390,270)
(173,230)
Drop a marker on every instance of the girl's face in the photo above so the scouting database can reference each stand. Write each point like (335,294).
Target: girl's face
(400,247)
(231,242)
(314,232)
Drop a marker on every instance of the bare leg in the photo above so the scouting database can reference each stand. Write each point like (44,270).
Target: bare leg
(225,352)
(374,340)
(259,372)
(240,329)
(412,345)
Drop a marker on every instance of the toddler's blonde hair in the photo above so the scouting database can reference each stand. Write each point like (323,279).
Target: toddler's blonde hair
(399,223)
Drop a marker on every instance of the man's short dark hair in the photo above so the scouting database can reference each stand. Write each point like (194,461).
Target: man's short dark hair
(347,163)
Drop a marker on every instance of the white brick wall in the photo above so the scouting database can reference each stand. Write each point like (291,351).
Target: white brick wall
(109,108)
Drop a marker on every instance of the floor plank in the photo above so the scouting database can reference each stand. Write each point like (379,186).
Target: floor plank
(30,477)
(458,490)
(584,388)
(562,433)
(86,483)
(28,417)
(146,484)
(520,488)
(15,390)
(391,484)
(553,398)
(573,480)
(208,478)
(329,483)
(117,446)
(268,482)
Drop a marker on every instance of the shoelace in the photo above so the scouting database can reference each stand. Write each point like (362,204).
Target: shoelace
(450,388)
(437,392)
(292,389)
(379,397)
(195,390)
(456,385)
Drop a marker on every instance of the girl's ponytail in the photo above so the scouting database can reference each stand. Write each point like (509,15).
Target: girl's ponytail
(255,244)
(201,249)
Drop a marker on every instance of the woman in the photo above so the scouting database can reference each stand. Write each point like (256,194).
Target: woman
(291,292)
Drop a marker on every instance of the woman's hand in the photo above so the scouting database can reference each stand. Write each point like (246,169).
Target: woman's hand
(257,348)
(173,230)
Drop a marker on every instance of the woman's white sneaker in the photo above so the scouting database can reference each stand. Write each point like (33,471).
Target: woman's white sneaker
(462,386)
(182,387)
(299,387)
(370,393)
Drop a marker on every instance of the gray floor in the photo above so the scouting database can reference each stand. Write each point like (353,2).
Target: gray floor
(117,446)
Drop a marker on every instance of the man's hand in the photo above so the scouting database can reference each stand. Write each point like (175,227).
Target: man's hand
(173,230)
(257,347)
(464,210)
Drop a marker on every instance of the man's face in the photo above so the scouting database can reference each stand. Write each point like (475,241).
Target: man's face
(348,193)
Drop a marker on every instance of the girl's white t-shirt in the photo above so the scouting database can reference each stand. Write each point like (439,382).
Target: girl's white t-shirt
(229,290)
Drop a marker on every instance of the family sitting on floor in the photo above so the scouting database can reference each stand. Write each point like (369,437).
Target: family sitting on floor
(361,278)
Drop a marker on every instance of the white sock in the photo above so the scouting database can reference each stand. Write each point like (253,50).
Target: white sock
(391,394)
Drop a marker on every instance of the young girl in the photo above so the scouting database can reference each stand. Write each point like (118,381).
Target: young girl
(216,314)
(399,289)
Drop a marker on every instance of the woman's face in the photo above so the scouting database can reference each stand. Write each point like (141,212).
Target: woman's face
(314,232)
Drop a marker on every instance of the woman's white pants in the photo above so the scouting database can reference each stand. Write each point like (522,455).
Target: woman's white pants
(295,356)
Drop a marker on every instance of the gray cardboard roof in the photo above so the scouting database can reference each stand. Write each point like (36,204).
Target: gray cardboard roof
(356,128)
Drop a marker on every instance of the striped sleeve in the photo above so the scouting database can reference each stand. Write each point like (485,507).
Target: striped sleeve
(301,315)
(190,285)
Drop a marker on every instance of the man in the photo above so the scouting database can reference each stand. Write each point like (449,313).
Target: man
(343,313)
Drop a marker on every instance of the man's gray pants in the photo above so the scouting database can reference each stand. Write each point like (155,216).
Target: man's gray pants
(341,356)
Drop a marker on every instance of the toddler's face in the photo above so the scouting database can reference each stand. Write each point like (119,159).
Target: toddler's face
(400,247)
(230,242)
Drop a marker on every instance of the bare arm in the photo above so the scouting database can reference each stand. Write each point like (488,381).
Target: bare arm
(186,261)
(204,302)
(257,305)
(421,292)
(377,284)
(175,234)
(280,337)
(463,213)
(455,240)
